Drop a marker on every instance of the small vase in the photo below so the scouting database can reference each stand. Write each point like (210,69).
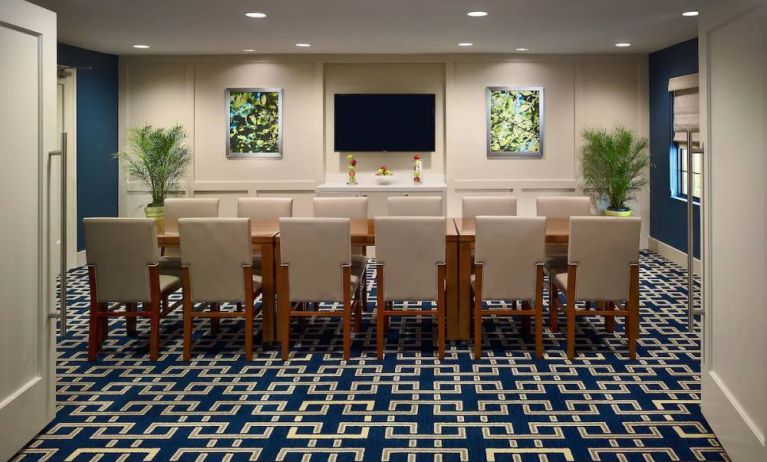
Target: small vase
(352,178)
(417,171)
(157,214)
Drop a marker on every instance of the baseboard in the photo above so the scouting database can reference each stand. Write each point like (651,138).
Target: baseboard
(732,425)
(673,254)
(81,260)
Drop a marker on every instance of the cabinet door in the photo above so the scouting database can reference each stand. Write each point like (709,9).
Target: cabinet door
(377,203)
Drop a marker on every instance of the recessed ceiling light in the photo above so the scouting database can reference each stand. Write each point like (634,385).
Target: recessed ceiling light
(141,46)
(690,13)
(521,49)
(303,45)
(248,50)
(465,44)
(622,44)
(477,14)
(256,14)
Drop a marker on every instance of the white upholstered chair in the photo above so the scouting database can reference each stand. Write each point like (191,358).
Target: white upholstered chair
(415,206)
(264,208)
(603,266)
(474,206)
(355,208)
(315,266)
(410,265)
(509,258)
(217,267)
(123,267)
(176,208)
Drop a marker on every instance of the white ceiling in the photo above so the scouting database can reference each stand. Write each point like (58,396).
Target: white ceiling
(373,26)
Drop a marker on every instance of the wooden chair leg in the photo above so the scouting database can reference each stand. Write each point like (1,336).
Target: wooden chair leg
(249,312)
(380,317)
(104,324)
(441,312)
(130,321)
(358,309)
(478,312)
(283,312)
(610,320)
(633,308)
(539,313)
(188,313)
(553,307)
(570,310)
(215,323)
(94,335)
(347,319)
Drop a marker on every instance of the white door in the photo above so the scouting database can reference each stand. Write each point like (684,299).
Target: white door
(27,134)
(733,50)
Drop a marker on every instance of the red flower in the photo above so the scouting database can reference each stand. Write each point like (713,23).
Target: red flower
(417,157)
(354,162)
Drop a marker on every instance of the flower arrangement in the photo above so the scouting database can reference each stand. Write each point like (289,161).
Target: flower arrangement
(352,169)
(417,169)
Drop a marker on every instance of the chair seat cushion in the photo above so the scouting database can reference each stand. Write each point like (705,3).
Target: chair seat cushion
(560,279)
(169,283)
(257,283)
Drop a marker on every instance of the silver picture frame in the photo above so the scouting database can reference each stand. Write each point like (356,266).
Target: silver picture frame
(254,155)
(514,154)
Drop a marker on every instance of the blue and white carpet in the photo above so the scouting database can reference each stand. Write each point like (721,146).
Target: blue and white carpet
(508,406)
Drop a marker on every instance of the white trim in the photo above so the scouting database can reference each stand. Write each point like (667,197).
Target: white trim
(81,260)
(673,254)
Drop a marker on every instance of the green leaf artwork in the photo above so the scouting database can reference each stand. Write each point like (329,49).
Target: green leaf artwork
(515,120)
(254,121)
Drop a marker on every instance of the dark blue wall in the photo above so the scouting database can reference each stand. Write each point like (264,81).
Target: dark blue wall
(97,170)
(668,215)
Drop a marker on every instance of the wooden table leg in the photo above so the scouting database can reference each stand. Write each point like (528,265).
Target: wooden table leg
(464,291)
(267,292)
(452,293)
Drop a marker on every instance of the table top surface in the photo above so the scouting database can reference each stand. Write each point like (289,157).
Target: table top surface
(557,230)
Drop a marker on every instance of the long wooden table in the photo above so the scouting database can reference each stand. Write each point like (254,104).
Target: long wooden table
(263,234)
(557,232)
(363,233)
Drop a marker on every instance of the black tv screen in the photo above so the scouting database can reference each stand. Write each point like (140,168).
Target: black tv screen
(384,122)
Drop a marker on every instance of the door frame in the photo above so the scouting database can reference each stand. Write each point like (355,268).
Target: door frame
(28,409)
(69,126)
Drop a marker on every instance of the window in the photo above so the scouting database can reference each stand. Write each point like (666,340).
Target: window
(681,173)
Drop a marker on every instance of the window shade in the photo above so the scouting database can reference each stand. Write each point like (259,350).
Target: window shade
(686,107)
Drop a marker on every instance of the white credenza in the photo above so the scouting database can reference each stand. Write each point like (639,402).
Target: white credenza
(378,194)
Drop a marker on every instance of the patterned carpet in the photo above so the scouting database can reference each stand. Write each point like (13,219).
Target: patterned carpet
(409,407)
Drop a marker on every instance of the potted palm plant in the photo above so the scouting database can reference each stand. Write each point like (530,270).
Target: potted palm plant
(157,158)
(614,164)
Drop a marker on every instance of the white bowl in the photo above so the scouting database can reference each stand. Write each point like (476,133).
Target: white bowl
(384,179)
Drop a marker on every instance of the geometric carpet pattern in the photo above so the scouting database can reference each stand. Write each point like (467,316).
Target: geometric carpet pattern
(410,407)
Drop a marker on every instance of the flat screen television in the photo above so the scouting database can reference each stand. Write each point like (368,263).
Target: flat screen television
(384,122)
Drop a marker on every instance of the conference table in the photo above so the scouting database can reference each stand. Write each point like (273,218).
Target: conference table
(459,243)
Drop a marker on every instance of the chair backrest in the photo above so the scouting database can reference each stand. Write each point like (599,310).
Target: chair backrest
(215,250)
(415,206)
(474,206)
(410,248)
(341,207)
(603,248)
(315,251)
(187,208)
(510,249)
(264,208)
(120,249)
(562,206)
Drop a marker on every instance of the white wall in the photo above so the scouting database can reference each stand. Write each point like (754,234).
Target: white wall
(580,91)
(733,76)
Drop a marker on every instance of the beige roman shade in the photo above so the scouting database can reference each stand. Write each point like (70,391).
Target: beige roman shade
(686,112)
